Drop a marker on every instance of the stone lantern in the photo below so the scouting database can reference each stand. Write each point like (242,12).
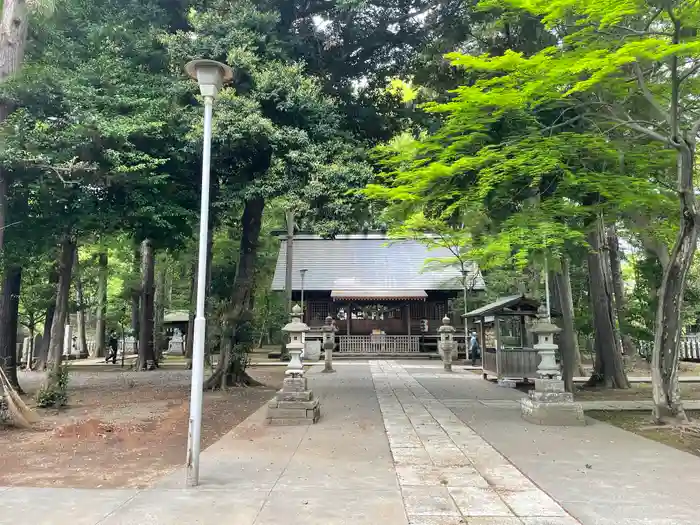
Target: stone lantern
(549,403)
(447,346)
(295,329)
(545,330)
(328,331)
(295,403)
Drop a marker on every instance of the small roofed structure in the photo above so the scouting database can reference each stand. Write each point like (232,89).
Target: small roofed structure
(384,294)
(503,332)
(176,319)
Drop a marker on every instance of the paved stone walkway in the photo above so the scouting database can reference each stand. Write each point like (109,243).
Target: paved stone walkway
(448,474)
(600,474)
(400,443)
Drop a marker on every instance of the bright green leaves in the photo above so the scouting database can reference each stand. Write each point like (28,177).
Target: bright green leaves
(535,143)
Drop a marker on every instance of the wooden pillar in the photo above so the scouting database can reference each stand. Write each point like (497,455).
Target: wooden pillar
(497,338)
(349,317)
(408,318)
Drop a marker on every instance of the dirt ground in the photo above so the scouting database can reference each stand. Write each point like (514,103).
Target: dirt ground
(122,429)
(637,392)
(639,423)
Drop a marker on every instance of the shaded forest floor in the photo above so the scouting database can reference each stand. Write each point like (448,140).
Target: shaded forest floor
(121,429)
(639,422)
(637,392)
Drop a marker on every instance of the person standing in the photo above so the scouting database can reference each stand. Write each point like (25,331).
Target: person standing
(474,350)
(113,347)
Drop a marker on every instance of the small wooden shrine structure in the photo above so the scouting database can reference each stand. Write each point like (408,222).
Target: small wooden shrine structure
(503,331)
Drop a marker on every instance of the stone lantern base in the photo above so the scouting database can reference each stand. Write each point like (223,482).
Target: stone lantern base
(294,404)
(550,404)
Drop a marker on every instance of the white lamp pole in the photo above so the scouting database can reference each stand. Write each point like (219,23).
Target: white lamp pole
(210,75)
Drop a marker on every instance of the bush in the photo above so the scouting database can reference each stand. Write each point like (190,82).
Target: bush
(54,393)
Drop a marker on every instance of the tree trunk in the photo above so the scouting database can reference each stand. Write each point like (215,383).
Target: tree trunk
(147,356)
(136,294)
(9,312)
(568,344)
(237,335)
(159,311)
(289,268)
(58,326)
(667,329)
(613,243)
(82,335)
(13,37)
(189,342)
(42,355)
(609,365)
(100,325)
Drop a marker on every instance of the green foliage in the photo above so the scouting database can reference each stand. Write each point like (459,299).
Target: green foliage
(54,393)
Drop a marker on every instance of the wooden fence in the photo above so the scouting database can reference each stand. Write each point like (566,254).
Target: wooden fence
(379,344)
(689,348)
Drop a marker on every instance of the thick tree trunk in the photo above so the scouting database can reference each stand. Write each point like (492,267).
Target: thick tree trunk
(609,365)
(237,335)
(667,329)
(100,325)
(136,294)
(82,331)
(159,311)
(147,356)
(13,37)
(568,342)
(58,326)
(42,353)
(613,243)
(9,313)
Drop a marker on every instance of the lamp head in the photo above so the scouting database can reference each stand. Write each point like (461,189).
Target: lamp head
(210,75)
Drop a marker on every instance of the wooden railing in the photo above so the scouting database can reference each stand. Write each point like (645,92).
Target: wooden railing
(379,344)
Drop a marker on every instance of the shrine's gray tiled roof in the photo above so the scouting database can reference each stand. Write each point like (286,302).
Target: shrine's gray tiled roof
(369,262)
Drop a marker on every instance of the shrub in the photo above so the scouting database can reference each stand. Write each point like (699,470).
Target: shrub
(54,393)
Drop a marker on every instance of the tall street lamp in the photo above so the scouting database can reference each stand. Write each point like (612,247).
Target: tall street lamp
(210,75)
(465,273)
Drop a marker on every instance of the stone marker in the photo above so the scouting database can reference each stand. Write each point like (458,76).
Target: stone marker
(129,346)
(328,330)
(25,351)
(176,345)
(446,346)
(295,403)
(312,350)
(549,403)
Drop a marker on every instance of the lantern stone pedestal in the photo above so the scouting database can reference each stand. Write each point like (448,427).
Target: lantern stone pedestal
(446,346)
(295,403)
(549,403)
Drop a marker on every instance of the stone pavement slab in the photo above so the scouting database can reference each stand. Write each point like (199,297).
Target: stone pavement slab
(49,506)
(446,471)
(600,474)
(338,471)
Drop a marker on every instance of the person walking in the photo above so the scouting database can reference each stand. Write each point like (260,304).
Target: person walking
(113,347)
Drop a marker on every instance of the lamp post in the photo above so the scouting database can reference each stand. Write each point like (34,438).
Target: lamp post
(466,321)
(210,75)
(302,272)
